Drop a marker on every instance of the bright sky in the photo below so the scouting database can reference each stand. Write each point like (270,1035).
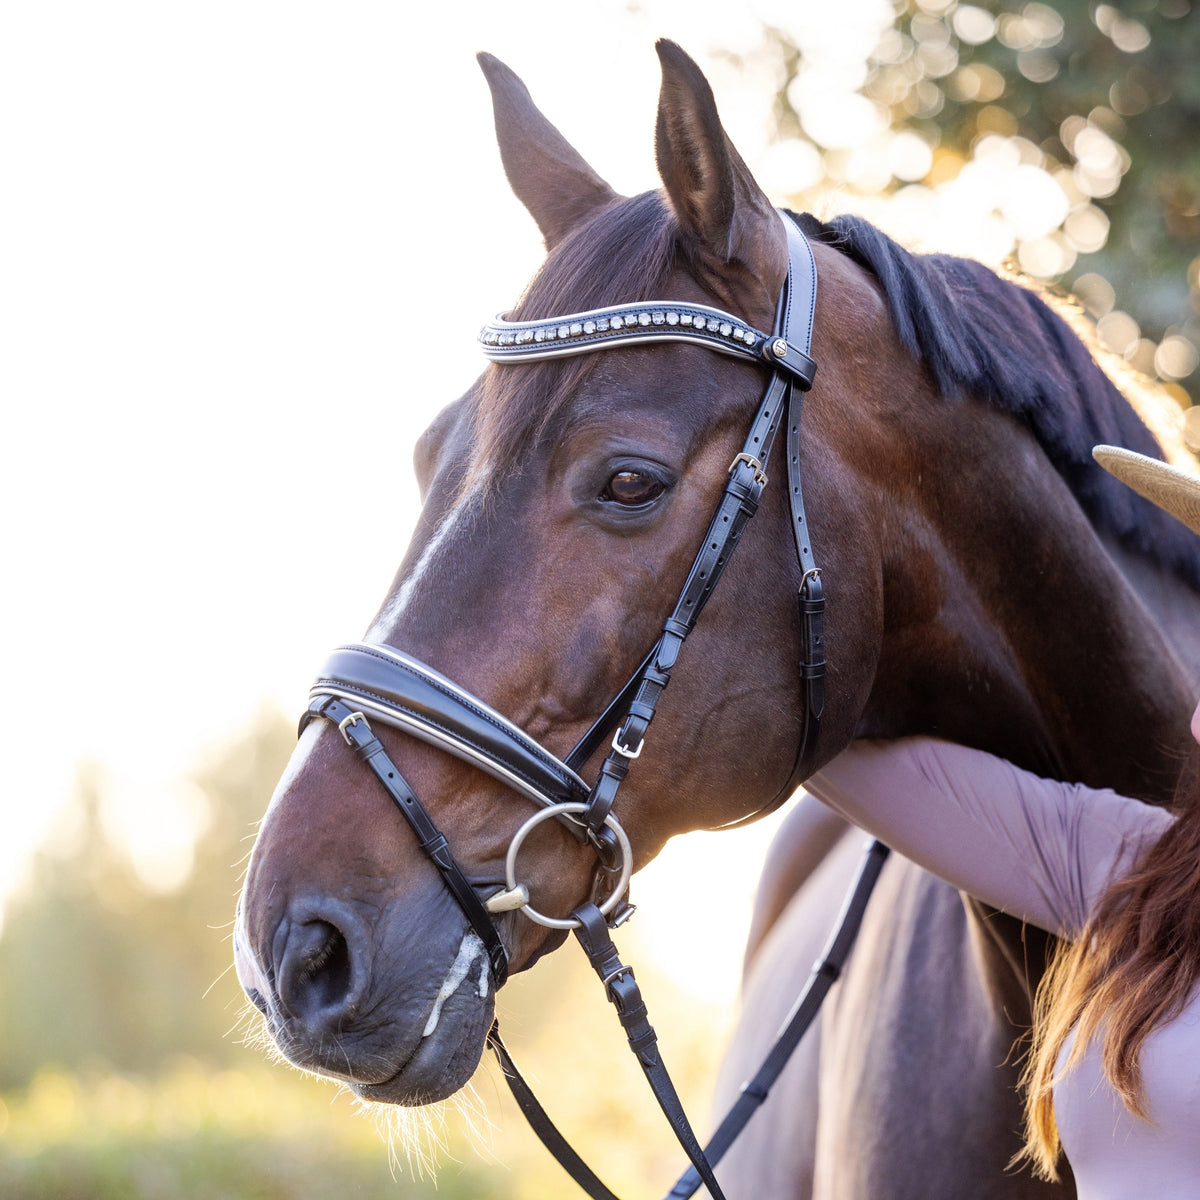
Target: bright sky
(245,247)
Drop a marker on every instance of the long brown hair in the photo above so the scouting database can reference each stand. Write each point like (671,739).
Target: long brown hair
(1132,969)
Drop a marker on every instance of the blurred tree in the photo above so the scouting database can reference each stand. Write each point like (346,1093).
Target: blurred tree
(98,968)
(1072,128)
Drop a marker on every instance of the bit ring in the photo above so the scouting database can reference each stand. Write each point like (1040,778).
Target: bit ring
(544,814)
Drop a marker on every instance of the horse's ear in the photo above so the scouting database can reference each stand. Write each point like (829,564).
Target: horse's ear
(546,172)
(730,221)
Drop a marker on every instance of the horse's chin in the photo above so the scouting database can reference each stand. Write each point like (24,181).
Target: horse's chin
(408,1068)
(440,1063)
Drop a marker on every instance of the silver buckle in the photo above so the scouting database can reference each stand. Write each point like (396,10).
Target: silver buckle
(629,754)
(346,722)
(760,476)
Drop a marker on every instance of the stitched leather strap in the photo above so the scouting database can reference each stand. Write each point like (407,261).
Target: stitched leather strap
(802,293)
(403,692)
(362,740)
(789,345)
(539,1121)
(739,502)
(825,973)
(626,997)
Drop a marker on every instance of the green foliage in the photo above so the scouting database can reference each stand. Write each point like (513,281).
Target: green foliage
(1104,99)
(199,1134)
(135,975)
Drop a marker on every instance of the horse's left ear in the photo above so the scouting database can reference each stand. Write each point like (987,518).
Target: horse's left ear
(733,226)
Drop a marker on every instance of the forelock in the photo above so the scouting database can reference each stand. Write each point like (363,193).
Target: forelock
(624,255)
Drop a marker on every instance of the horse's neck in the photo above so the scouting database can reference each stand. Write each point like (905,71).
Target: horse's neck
(1034,645)
(1174,606)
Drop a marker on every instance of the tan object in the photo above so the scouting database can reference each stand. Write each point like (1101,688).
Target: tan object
(1174,491)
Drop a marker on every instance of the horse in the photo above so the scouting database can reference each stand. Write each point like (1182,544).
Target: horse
(966,544)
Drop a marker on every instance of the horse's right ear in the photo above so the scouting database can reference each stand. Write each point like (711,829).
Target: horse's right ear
(546,172)
(735,239)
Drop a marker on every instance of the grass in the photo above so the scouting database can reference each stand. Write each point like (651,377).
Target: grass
(198,1133)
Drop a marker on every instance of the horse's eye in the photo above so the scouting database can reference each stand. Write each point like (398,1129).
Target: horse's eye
(632,489)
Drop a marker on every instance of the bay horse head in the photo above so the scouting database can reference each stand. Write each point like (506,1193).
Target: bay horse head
(563,503)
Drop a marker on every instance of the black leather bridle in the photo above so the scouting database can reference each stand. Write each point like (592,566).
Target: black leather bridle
(362,682)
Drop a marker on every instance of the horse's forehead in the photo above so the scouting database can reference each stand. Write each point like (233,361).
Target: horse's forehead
(668,382)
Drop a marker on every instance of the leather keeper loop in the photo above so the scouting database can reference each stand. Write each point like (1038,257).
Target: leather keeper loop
(600,802)
(794,361)
(828,970)
(668,654)
(746,490)
(608,850)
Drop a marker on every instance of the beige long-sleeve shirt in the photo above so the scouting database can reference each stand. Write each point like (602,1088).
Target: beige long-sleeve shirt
(1044,851)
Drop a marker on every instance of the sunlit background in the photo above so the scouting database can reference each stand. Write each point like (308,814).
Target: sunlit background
(244,251)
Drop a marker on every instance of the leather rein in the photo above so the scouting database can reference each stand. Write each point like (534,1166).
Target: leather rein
(361,683)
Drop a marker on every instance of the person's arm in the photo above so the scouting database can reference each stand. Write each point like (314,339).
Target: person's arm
(1041,850)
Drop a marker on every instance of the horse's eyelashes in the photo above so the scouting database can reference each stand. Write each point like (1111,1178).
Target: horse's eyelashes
(632,489)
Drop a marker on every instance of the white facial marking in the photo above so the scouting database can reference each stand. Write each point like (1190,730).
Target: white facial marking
(468,952)
(298,761)
(249,974)
(390,618)
(248,970)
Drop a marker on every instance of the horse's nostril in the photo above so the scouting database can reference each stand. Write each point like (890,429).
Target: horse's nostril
(315,976)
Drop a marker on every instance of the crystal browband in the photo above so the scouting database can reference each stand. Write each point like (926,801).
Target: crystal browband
(651,321)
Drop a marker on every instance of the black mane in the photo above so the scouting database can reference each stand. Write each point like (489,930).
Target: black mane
(982,336)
